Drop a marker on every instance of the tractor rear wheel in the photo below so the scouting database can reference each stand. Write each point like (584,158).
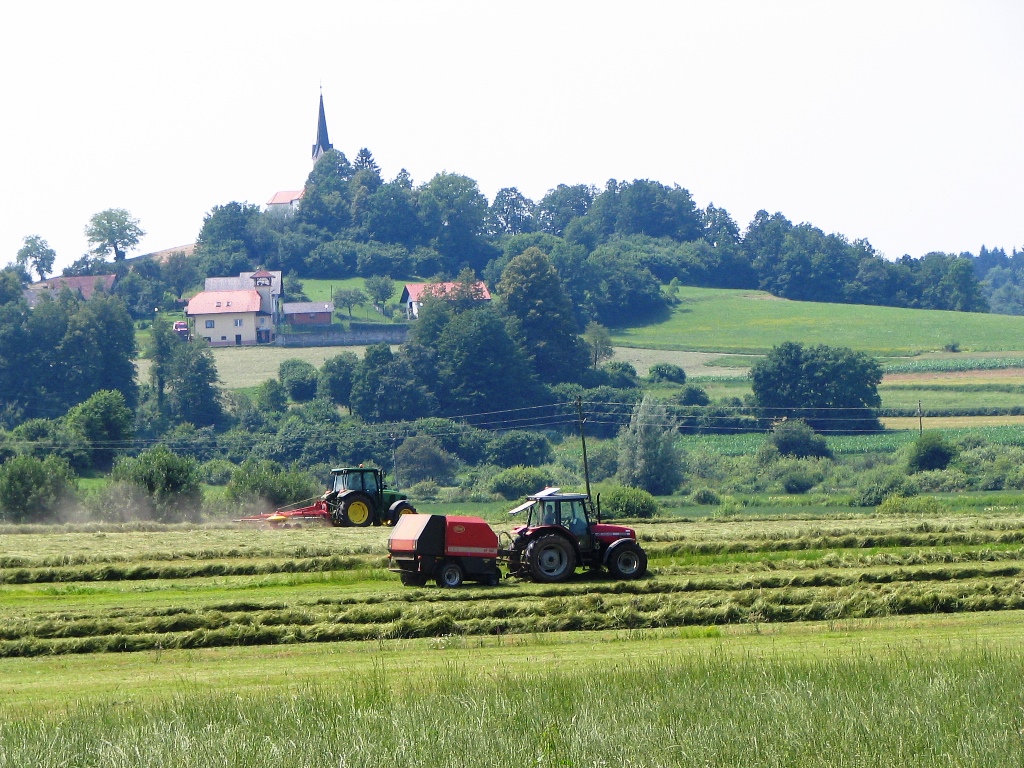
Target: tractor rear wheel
(550,558)
(398,509)
(627,561)
(450,575)
(357,509)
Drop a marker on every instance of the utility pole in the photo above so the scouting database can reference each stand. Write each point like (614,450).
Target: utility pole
(920,419)
(583,439)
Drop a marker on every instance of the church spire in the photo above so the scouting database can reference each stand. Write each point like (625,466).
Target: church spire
(322,142)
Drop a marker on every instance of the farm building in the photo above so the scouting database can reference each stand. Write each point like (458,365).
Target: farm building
(414,293)
(307,312)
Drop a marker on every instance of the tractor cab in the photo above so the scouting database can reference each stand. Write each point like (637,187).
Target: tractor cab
(368,481)
(561,534)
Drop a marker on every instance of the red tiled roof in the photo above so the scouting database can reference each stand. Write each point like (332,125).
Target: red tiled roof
(86,284)
(285,198)
(415,291)
(222,302)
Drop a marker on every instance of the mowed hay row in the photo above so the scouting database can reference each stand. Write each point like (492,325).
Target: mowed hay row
(680,603)
(239,566)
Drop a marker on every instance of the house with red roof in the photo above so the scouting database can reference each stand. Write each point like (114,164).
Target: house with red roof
(229,318)
(414,293)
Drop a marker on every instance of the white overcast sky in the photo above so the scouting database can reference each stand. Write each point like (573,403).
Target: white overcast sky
(899,122)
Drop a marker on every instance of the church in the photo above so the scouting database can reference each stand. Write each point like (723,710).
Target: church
(287,201)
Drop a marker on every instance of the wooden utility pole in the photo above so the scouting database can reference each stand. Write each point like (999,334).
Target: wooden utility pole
(920,419)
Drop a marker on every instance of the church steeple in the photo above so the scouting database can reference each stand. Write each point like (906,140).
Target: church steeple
(322,142)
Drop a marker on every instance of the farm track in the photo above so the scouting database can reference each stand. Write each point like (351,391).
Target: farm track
(707,573)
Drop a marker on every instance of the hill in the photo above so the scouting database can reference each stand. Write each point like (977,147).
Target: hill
(722,320)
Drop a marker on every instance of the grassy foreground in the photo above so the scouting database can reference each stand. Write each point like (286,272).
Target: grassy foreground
(929,691)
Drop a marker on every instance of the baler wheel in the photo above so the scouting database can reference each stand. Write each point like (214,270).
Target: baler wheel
(550,558)
(413,579)
(627,561)
(357,509)
(450,575)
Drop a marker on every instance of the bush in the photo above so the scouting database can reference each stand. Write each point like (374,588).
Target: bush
(623,501)
(268,481)
(693,395)
(516,448)
(897,504)
(666,372)
(795,438)
(516,482)
(930,451)
(170,481)
(216,471)
(797,481)
(874,486)
(31,489)
(621,375)
(705,497)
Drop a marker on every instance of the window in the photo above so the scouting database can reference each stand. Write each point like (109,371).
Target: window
(238,323)
(263,321)
(218,303)
(223,338)
(209,323)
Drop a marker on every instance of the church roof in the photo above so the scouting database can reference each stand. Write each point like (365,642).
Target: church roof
(323,143)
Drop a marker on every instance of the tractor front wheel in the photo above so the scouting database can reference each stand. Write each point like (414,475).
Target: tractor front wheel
(357,509)
(627,561)
(450,575)
(550,558)
(398,509)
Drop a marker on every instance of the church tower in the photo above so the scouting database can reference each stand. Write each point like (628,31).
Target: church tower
(322,142)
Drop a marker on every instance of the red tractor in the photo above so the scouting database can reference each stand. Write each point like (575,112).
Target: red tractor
(562,533)
(557,538)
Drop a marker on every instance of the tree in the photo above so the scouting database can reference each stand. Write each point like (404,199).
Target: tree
(163,341)
(833,389)
(421,457)
(349,298)
(113,231)
(599,341)
(36,254)
(511,213)
(380,288)
(531,292)
(453,211)
(106,422)
(648,457)
(299,378)
(336,379)
(192,394)
(930,451)
(793,437)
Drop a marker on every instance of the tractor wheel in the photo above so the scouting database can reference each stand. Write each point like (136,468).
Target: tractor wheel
(357,509)
(450,575)
(493,579)
(627,561)
(550,558)
(413,579)
(398,509)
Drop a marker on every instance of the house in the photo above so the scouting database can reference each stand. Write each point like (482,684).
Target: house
(413,294)
(85,285)
(267,284)
(284,202)
(230,318)
(307,312)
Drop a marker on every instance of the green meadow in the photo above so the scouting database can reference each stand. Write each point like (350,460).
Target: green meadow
(736,321)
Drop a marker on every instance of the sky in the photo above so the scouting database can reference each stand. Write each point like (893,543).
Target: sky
(900,122)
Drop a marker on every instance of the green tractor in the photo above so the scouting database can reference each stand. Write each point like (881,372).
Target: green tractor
(357,496)
(360,496)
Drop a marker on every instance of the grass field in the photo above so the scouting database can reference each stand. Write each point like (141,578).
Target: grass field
(717,320)
(790,640)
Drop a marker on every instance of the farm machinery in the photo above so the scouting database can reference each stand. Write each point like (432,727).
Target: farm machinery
(357,496)
(561,533)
